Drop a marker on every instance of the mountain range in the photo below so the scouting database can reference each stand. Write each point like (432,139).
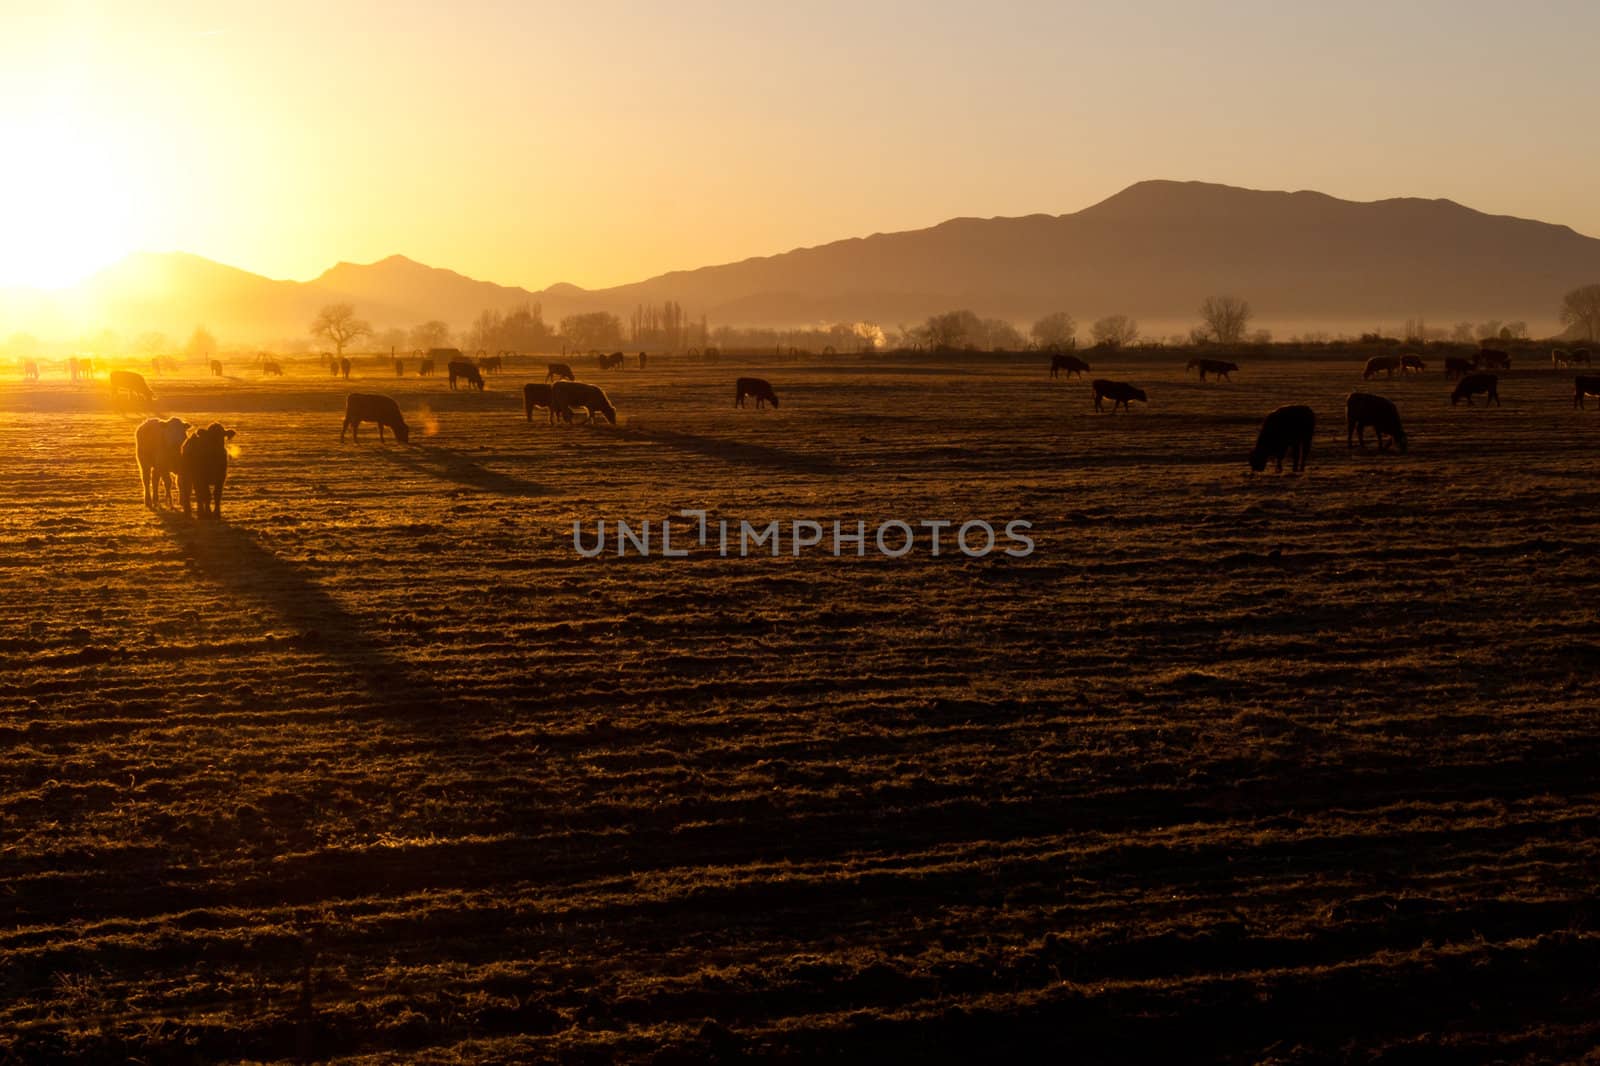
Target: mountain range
(1304,260)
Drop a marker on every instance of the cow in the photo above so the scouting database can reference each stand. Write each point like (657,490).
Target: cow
(1560,357)
(1582,386)
(1120,392)
(758,388)
(270,368)
(132,384)
(344,367)
(460,368)
(1215,367)
(1288,429)
(362,407)
(30,370)
(203,467)
(1070,363)
(73,368)
(1362,409)
(425,367)
(216,368)
(559,371)
(399,367)
(537,396)
(1580,357)
(611,362)
(86,367)
(1380,364)
(566,395)
(1456,366)
(1492,359)
(641,360)
(1472,384)
(490,364)
(157,445)
(1411,363)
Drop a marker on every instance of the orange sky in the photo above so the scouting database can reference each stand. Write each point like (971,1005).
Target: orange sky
(603,143)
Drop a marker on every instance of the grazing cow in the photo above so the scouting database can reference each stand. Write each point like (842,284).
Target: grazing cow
(1472,384)
(362,407)
(425,368)
(1582,386)
(203,467)
(1120,392)
(641,360)
(1380,364)
(758,388)
(1362,409)
(344,368)
(537,396)
(611,362)
(30,370)
(1070,363)
(1215,367)
(1411,363)
(559,371)
(157,445)
(216,368)
(1456,366)
(460,368)
(1288,429)
(1492,359)
(132,384)
(271,368)
(492,364)
(566,395)
(1580,357)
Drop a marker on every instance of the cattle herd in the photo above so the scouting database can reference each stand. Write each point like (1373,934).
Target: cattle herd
(198,457)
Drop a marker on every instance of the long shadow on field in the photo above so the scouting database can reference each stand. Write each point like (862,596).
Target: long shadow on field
(255,576)
(734,451)
(448,465)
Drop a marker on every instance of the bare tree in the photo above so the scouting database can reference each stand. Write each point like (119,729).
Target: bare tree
(1055,332)
(1580,312)
(338,325)
(1224,319)
(1113,331)
(432,334)
(1462,333)
(954,331)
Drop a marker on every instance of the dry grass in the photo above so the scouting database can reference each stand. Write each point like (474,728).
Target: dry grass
(1281,768)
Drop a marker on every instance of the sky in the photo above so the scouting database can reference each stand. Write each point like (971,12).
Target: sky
(602,143)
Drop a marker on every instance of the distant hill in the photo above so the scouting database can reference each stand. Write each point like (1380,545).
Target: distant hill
(1154,250)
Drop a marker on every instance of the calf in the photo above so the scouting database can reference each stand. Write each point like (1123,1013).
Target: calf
(362,407)
(1215,367)
(1456,366)
(1120,393)
(132,384)
(1288,429)
(565,395)
(1363,409)
(1380,364)
(537,396)
(1583,386)
(1492,359)
(759,388)
(203,467)
(1472,384)
(1070,363)
(560,371)
(1411,363)
(156,446)
(460,368)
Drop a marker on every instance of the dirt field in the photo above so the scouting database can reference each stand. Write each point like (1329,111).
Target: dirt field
(1273,769)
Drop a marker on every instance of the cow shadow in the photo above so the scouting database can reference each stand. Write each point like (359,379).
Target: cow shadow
(733,451)
(253,576)
(449,465)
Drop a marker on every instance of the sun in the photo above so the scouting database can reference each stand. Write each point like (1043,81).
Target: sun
(64,206)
